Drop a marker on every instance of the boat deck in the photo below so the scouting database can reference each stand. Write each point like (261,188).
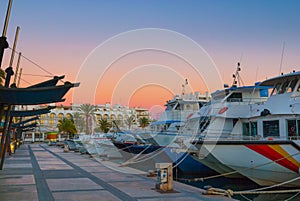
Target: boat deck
(47,173)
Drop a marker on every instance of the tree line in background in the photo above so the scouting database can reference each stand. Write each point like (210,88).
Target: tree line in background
(82,121)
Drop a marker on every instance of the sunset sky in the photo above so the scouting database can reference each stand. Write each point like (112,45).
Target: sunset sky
(139,52)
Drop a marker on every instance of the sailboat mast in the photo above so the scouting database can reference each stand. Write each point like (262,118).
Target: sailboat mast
(19,77)
(17,68)
(3,41)
(7,19)
(14,47)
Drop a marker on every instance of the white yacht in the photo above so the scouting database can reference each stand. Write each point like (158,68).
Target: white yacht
(159,141)
(252,133)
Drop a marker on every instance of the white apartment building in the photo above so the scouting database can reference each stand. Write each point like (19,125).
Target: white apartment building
(48,122)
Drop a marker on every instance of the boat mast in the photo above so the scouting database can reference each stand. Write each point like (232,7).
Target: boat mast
(236,77)
(9,71)
(17,68)
(20,74)
(3,41)
(183,87)
(281,60)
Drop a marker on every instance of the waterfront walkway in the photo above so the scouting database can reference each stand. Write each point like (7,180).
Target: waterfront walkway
(45,173)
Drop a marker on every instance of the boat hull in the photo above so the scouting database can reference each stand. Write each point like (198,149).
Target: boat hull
(150,154)
(106,148)
(203,155)
(185,163)
(264,162)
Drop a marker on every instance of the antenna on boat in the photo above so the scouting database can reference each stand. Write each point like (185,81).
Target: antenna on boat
(183,87)
(281,60)
(236,77)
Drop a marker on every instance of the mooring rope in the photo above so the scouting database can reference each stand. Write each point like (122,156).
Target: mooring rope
(293,197)
(230,193)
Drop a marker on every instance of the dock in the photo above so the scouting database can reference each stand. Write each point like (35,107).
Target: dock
(47,173)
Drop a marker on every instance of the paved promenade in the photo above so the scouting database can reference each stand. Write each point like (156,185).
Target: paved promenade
(45,173)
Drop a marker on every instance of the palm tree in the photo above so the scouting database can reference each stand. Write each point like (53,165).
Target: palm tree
(66,126)
(78,121)
(2,76)
(88,112)
(116,124)
(104,125)
(144,122)
(129,121)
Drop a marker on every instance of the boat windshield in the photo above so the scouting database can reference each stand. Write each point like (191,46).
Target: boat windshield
(287,86)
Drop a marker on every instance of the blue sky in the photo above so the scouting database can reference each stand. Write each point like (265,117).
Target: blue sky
(59,34)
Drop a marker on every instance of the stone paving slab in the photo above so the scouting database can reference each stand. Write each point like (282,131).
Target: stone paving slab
(47,173)
(16,179)
(97,169)
(48,162)
(87,162)
(16,171)
(17,159)
(55,167)
(72,184)
(17,165)
(85,195)
(18,193)
(141,188)
(115,176)
(56,174)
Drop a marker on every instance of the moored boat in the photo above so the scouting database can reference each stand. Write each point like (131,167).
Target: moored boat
(260,137)
(158,143)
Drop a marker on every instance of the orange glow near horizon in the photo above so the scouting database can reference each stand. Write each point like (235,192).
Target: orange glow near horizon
(133,79)
(150,96)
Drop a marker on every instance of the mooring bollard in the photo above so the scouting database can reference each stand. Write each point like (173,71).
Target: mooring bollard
(164,177)
(66,148)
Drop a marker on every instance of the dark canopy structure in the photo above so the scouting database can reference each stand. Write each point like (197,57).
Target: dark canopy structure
(34,96)
(19,124)
(33,125)
(48,83)
(27,113)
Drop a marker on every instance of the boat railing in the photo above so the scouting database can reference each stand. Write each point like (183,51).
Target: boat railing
(239,137)
(293,137)
(261,100)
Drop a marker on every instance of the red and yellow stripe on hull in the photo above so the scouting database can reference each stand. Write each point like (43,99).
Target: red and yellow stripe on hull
(277,154)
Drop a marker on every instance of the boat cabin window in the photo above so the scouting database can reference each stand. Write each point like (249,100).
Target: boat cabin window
(291,86)
(178,107)
(284,87)
(250,129)
(298,88)
(293,129)
(234,121)
(235,97)
(271,128)
(203,123)
(276,89)
(200,104)
(169,106)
